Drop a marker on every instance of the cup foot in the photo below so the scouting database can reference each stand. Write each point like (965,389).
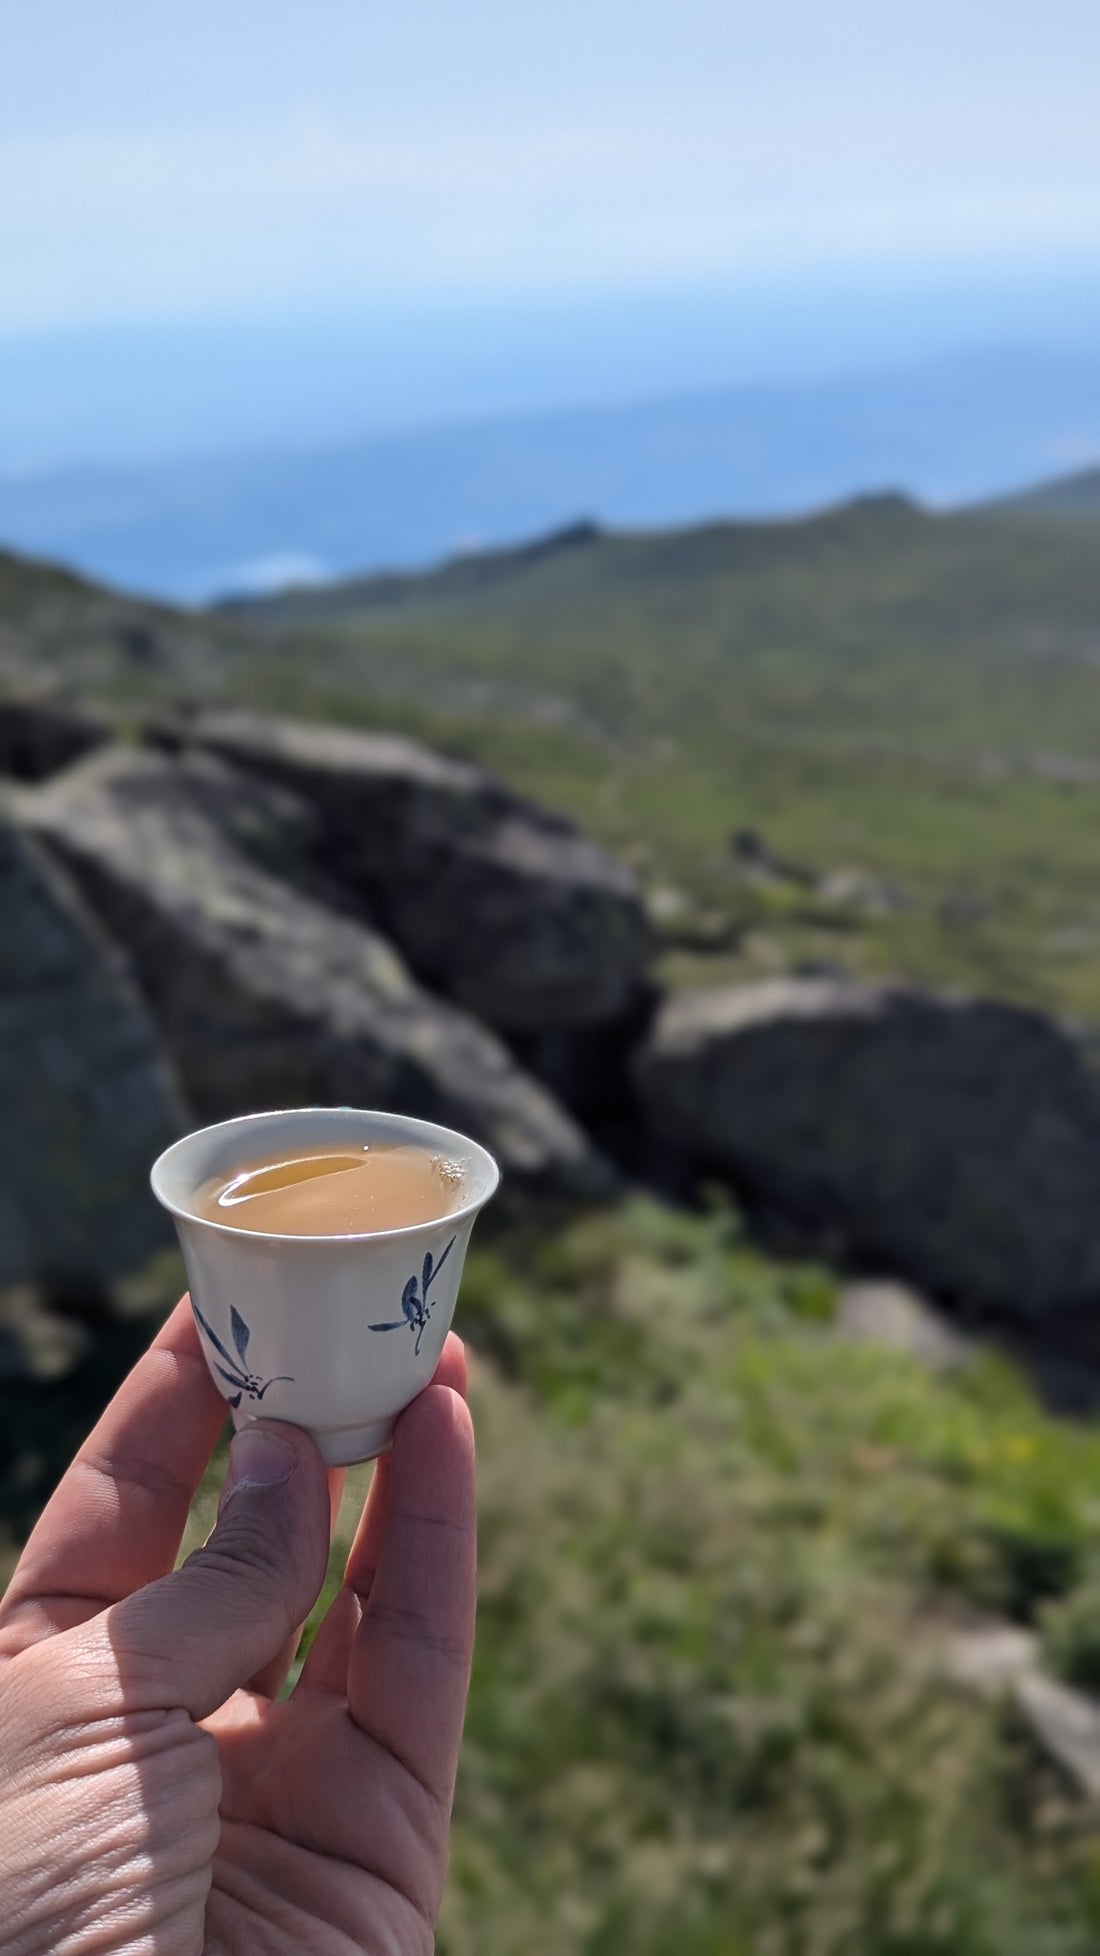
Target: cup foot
(344,1446)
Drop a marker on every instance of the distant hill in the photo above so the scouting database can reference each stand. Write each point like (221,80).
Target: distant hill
(1069,495)
(851,594)
(950,432)
(62,633)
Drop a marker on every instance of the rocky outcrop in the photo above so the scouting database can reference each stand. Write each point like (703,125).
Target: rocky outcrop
(898,1319)
(1002,1661)
(954,1143)
(87,1099)
(505,909)
(263,996)
(39,737)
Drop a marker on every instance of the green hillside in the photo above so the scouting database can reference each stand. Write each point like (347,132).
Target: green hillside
(897,713)
(1070,495)
(902,707)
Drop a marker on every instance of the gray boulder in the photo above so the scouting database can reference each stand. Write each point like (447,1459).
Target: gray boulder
(1065,1726)
(899,1319)
(40,736)
(87,1099)
(263,996)
(954,1143)
(502,907)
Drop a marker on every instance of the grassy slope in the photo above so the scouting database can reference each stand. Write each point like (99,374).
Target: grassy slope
(717,1546)
(910,696)
(914,697)
(1070,495)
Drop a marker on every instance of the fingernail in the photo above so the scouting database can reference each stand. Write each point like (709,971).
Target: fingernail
(258,1458)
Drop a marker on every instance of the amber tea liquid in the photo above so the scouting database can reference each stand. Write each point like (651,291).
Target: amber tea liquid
(334,1192)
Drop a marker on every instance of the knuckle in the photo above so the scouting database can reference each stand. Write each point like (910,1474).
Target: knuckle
(238,1544)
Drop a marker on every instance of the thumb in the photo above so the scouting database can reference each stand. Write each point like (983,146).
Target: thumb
(195,1636)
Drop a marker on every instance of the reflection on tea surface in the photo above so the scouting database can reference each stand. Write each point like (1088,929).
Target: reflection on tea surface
(334,1192)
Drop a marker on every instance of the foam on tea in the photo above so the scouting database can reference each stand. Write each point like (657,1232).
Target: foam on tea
(335,1192)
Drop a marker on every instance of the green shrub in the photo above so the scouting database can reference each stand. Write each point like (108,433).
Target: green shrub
(1071,1635)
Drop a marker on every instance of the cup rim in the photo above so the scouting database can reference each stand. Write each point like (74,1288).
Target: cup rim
(441,1136)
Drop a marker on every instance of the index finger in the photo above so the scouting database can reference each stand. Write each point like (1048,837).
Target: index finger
(410,1661)
(326,1665)
(118,1515)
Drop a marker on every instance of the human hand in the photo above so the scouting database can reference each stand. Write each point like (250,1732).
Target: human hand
(154,1794)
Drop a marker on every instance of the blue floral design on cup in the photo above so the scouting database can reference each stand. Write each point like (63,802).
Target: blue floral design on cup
(248,1384)
(415,1307)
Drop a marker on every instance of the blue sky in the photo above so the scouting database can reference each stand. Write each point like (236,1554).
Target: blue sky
(232,159)
(247,222)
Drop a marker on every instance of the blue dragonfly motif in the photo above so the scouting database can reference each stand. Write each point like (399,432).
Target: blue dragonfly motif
(248,1384)
(416,1310)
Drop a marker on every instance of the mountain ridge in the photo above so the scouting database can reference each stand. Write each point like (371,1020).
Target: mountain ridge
(1065,495)
(949,432)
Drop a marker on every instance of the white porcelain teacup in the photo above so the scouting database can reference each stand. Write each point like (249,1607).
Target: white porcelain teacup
(332,1333)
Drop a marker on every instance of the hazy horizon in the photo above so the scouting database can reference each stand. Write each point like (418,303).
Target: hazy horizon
(109,396)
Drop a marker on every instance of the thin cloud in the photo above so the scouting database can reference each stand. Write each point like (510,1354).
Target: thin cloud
(141,223)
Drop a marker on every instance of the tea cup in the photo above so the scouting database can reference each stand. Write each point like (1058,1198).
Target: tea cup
(336,1334)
